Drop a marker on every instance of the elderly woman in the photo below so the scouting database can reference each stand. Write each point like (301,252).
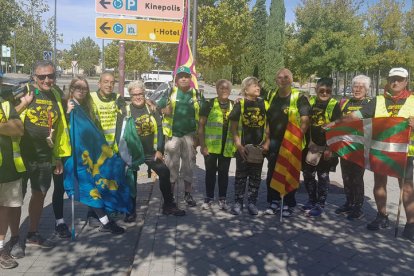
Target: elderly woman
(248,125)
(149,129)
(216,143)
(352,174)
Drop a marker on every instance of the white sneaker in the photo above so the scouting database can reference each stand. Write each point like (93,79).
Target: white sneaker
(273,208)
(206,205)
(223,205)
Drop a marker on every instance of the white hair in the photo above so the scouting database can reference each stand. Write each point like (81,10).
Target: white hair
(362,79)
(136,85)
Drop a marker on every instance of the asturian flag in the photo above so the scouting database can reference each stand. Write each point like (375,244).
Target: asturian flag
(94,174)
(377,144)
(184,54)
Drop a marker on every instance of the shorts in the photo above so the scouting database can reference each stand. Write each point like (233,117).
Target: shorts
(40,176)
(11,194)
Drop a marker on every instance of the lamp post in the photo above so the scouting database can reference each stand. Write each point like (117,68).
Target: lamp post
(14,52)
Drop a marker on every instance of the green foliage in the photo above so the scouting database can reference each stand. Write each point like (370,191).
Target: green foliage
(166,54)
(274,41)
(137,57)
(224,30)
(86,52)
(9,17)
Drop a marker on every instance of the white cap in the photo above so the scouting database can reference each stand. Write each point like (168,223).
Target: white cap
(401,72)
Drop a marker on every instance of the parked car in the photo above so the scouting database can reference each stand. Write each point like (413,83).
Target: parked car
(126,93)
(152,85)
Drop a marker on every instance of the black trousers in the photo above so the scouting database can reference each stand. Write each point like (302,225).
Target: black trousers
(353,178)
(247,174)
(317,189)
(216,163)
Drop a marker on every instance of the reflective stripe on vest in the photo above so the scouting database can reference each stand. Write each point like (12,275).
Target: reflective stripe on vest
(329,108)
(153,120)
(17,158)
(240,126)
(106,113)
(406,111)
(168,120)
(214,131)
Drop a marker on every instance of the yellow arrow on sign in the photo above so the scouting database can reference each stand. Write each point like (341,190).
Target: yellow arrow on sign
(138,30)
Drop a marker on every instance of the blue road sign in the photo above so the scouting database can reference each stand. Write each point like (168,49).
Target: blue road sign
(47,55)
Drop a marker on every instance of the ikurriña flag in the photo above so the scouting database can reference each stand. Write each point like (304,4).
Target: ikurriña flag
(184,54)
(377,144)
(94,173)
(286,174)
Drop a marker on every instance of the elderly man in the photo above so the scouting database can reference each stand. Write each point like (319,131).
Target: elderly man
(286,100)
(180,121)
(397,101)
(45,140)
(11,195)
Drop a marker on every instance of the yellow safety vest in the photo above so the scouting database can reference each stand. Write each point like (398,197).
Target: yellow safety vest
(329,109)
(62,147)
(106,113)
(17,157)
(293,107)
(240,126)
(153,120)
(214,131)
(168,120)
(406,111)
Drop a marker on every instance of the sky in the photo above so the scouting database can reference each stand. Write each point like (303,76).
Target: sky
(76,18)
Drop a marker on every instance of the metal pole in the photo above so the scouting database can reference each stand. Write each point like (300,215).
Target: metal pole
(14,52)
(194,48)
(121,67)
(188,17)
(54,42)
(103,56)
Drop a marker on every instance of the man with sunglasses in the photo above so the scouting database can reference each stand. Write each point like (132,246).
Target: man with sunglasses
(44,142)
(397,101)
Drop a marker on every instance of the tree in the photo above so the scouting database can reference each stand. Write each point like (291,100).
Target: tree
(166,55)
(255,61)
(224,30)
(274,41)
(137,56)
(86,52)
(9,17)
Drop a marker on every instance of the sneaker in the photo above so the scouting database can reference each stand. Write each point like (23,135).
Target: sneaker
(237,208)
(15,248)
(287,211)
(316,211)
(355,214)
(93,220)
(189,200)
(115,216)
(62,231)
(130,218)
(252,209)
(343,210)
(223,205)
(6,261)
(408,232)
(307,206)
(207,204)
(172,209)
(273,208)
(112,227)
(381,221)
(36,240)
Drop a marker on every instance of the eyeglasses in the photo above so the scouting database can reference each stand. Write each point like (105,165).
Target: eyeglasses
(81,89)
(43,77)
(137,95)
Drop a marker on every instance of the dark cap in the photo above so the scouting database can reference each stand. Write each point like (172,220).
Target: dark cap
(325,82)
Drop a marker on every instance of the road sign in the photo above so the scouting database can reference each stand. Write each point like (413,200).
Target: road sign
(47,55)
(138,30)
(5,51)
(171,9)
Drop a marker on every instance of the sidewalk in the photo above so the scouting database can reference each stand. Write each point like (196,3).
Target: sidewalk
(217,243)
(214,242)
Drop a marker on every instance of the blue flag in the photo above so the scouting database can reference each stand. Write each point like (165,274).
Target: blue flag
(94,173)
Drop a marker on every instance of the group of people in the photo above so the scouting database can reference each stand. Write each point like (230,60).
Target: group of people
(35,142)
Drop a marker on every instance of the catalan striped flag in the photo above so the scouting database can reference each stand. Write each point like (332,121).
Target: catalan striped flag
(286,175)
(184,54)
(377,144)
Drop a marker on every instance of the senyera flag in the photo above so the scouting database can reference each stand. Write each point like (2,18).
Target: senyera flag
(184,54)
(377,144)
(286,174)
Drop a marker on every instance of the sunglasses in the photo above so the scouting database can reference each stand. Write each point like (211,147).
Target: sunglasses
(137,95)
(43,77)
